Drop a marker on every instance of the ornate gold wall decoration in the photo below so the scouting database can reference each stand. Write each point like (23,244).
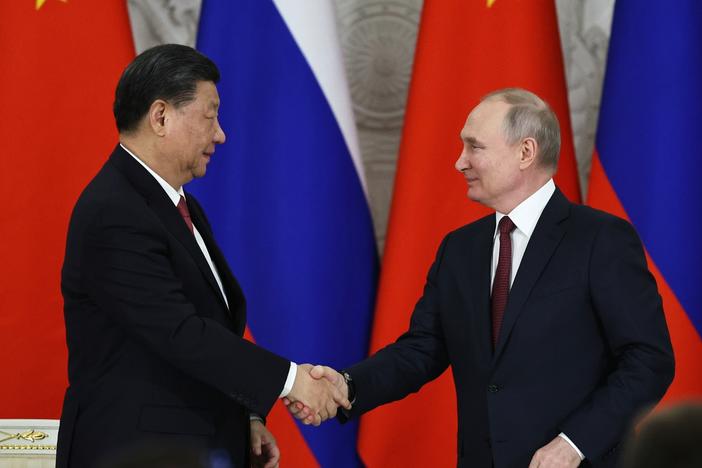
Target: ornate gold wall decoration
(29,435)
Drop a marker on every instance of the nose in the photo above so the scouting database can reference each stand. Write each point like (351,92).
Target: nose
(219,136)
(462,162)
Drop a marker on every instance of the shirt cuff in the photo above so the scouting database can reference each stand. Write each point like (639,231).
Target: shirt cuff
(575,447)
(290,381)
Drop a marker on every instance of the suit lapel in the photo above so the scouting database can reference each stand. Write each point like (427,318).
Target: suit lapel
(230,285)
(546,236)
(158,201)
(481,261)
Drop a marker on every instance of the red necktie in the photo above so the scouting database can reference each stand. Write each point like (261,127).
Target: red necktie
(500,285)
(185,213)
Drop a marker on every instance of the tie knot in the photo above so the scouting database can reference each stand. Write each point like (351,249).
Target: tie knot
(183,206)
(506,225)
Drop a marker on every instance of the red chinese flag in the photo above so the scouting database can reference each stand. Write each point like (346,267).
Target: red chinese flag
(61,62)
(464,51)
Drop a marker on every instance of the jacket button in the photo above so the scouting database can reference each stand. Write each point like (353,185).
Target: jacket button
(492,388)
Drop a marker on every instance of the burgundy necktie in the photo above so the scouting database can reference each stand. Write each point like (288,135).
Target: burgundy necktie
(185,213)
(500,285)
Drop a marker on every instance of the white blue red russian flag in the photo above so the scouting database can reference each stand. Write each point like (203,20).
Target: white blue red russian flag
(647,163)
(285,194)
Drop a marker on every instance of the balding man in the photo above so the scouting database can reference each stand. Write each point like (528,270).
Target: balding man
(545,311)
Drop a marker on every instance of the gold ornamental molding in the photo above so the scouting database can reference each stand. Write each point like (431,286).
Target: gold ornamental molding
(30,435)
(27,447)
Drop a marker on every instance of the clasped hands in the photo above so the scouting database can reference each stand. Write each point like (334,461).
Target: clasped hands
(317,394)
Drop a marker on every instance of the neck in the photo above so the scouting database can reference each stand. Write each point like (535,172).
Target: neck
(524,191)
(149,155)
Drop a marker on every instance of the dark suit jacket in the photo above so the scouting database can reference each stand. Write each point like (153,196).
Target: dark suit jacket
(583,345)
(154,353)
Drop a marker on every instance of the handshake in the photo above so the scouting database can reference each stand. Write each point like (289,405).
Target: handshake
(317,394)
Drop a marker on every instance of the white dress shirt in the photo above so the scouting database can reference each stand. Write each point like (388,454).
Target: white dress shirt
(524,216)
(175,195)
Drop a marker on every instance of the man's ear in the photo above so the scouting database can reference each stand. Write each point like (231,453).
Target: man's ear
(527,152)
(157,117)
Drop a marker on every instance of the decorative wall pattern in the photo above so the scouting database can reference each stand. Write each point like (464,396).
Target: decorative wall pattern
(585,28)
(28,443)
(157,22)
(378,39)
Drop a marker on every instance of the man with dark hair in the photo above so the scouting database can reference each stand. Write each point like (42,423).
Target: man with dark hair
(670,438)
(154,317)
(545,311)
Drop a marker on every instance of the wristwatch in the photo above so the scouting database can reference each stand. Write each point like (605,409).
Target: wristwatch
(351,386)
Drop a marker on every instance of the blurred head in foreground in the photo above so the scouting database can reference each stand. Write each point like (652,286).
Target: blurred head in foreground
(670,438)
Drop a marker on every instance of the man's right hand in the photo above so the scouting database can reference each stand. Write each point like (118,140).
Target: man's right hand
(316,394)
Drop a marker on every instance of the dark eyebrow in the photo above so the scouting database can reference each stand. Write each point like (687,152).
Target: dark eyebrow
(472,141)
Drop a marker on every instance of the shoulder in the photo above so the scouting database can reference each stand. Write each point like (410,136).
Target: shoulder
(108,195)
(468,238)
(601,236)
(476,228)
(586,218)
(592,215)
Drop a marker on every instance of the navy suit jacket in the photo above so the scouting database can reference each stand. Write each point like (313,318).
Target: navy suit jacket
(155,355)
(583,347)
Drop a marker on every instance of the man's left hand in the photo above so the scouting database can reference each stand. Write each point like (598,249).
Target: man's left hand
(556,454)
(264,450)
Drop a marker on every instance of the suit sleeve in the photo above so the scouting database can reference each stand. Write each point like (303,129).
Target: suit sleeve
(127,271)
(417,357)
(626,300)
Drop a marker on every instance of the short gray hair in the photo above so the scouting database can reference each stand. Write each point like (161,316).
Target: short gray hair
(530,116)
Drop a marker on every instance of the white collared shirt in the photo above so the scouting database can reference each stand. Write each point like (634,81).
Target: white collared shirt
(175,195)
(524,216)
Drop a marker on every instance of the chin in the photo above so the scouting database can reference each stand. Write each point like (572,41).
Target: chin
(199,173)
